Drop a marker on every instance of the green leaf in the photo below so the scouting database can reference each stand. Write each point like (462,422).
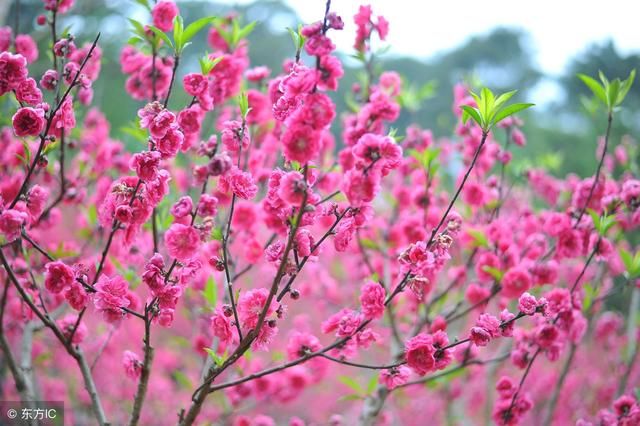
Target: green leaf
(487,103)
(510,110)
(158,32)
(207,64)
(178,29)
(627,259)
(613,90)
(27,152)
(502,99)
(195,27)
(595,87)
(351,384)
(216,234)
(138,28)
(50,147)
(246,30)
(494,272)
(479,238)
(373,382)
(351,397)
(589,296)
(92,215)
(135,40)
(243,102)
(468,111)
(210,292)
(182,379)
(625,87)
(136,132)
(595,217)
(370,244)
(217,359)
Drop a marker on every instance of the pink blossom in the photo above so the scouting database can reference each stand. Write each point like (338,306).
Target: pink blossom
(394,377)
(36,200)
(13,70)
(195,84)
(27,47)
(111,297)
(170,143)
(60,6)
(189,120)
(300,344)
(182,241)
(6,34)
(234,136)
(58,276)
(221,326)
(515,282)
(163,14)
(132,365)
(242,185)
(208,205)
(372,297)
(183,207)
(28,121)
(146,164)
(419,353)
(28,92)
(292,188)
(70,324)
(301,143)
(250,305)
(161,123)
(76,296)
(49,80)
(11,222)
(527,304)
(153,275)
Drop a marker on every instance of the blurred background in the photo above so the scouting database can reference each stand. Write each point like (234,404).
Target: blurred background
(537,50)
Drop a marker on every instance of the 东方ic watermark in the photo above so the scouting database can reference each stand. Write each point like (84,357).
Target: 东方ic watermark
(41,413)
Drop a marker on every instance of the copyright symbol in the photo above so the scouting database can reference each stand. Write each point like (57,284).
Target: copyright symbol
(12,414)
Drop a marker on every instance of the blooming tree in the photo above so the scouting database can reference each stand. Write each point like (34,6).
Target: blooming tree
(242,266)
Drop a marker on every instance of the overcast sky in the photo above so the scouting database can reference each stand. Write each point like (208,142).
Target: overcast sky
(559,28)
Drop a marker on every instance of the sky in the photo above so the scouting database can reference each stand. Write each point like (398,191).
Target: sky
(559,28)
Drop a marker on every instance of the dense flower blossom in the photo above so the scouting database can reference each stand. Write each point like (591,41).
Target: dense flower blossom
(182,241)
(13,70)
(28,121)
(58,276)
(146,164)
(68,326)
(221,326)
(487,327)
(27,47)
(132,365)
(241,184)
(111,297)
(527,304)
(372,299)
(11,222)
(394,377)
(28,92)
(515,282)
(420,354)
(163,14)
